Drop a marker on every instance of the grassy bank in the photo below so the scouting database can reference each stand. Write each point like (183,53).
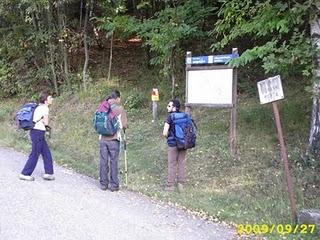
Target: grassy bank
(247,189)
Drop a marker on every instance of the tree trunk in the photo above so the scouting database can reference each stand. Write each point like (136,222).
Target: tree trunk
(86,50)
(173,78)
(313,149)
(62,29)
(80,20)
(51,52)
(110,58)
(34,21)
(54,75)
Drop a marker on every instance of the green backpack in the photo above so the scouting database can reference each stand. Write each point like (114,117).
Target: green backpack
(105,122)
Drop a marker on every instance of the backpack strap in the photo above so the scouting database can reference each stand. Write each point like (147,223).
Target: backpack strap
(33,114)
(110,110)
(194,123)
(104,106)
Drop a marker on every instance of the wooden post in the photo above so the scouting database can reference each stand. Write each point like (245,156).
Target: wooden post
(233,117)
(154,110)
(188,108)
(233,135)
(154,99)
(284,156)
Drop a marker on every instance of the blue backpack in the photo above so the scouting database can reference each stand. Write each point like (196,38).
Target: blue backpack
(24,116)
(184,130)
(105,122)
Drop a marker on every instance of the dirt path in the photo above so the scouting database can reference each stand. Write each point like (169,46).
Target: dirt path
(73,207)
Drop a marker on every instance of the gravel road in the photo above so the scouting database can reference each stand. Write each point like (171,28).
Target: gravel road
(73,207)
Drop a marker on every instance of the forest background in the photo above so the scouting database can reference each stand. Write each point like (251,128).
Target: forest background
(81,50)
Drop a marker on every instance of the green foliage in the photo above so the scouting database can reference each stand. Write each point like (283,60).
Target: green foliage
(113,21)
(277,33)
(134,101)
(169,28)
(28,44)
(271,32)
(7,86)
(4,113)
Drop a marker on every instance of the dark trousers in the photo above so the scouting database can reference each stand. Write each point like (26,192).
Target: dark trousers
(109,155)
(39,146)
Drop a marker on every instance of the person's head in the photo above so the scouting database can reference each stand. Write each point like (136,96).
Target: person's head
(173,106)
(45,98)
(115,94)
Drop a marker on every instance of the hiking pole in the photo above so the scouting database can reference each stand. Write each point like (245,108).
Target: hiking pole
(125,155)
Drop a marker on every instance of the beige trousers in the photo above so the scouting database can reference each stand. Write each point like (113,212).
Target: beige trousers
(176,165)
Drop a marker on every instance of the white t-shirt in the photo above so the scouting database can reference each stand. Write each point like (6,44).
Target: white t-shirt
(39,113)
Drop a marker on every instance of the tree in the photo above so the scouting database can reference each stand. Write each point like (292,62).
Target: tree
(24,45)
(277,33)
(32,48)
(62,29)
(85,44)
(52,50)
(112,22)
(165,32)
(278,36)
(313,148)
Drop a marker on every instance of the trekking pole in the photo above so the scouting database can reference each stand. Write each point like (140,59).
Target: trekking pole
(125,155)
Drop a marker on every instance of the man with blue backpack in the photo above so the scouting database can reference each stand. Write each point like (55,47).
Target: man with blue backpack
(180,131)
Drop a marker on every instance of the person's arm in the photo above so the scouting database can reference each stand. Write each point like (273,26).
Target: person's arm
(124,119)
(45,114)
(45,120)
(166,129)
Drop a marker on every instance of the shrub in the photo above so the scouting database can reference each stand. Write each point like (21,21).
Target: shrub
(134,101)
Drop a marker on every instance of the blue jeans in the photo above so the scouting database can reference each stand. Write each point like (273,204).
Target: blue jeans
(39,146)
(109,155)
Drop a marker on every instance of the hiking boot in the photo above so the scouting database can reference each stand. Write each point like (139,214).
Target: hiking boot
(169,188)
(48,176)
(114,189)
(180,187)
(103,187)
(26,177)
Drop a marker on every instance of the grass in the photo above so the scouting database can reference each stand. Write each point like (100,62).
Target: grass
(247,189)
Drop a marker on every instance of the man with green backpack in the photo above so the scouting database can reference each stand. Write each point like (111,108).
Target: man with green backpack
(108,120)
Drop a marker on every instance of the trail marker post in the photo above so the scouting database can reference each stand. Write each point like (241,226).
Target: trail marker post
(270,90)
(155,99)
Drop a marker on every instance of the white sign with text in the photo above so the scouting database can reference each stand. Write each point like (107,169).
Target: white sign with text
(270,90)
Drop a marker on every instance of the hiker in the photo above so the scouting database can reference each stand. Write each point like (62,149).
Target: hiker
(110,145)
(39,144)
(176,157)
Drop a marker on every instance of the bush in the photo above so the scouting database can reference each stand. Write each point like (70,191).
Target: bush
(134,101)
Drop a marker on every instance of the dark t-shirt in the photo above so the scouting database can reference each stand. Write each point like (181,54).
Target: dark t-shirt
(170,139)
(169,121)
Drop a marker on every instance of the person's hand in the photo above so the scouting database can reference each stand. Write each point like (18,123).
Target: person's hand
(48,131)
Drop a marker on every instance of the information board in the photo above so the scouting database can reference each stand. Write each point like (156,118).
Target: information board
(210,87)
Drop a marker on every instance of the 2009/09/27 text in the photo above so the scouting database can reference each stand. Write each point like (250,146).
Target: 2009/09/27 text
(246,229)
